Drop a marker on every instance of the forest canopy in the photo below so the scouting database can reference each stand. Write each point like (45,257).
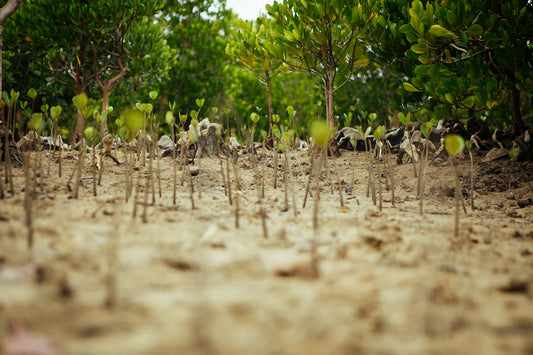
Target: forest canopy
(353,62)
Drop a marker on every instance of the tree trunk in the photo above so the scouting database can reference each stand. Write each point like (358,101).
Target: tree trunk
(6,11)
(2,73)
(517,114)
(270,139)
(333,147)
(329,101)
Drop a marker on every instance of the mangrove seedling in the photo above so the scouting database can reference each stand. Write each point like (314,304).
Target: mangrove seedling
(321,133)
(170,120)
(288,174)
(29,193)
(455,144)
(426,131)
(55,112)
(379,133)
(468,145)
(405,119)
(277,135)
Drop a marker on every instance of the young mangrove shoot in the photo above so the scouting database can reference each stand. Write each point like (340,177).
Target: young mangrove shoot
(454,145)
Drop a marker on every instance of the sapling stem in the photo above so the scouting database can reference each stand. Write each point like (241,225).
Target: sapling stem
(80,168)
(126,175)
(390,167)
(8,178)
(455,144)
(264,219)
(147,183)
(289,176)
(228,180)
(93,163)
(412,153)
(136,195)
(191,187)
(223,176)
(421,175)
(60,152)
(286,183)
(457,197)
(275,150)
(151,171)
(318,167)
(471,180)
(112,262)
(326,168)
(380,187)
(173,164)
(341,199)
(237,193)
(2,194)
(28,199)
(311,172)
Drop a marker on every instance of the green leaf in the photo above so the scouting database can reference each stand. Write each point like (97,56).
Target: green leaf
(169,118)
(80,101)
(55,112)
(193,114)
(153,95)
(454,144)
(475,30)
(134,120)
(438,31)
(419,48)
(402,118)
(148,108)
(321,132)
(449,97)
(513,154)
(469,101)
(183,118)
(379,132)
(452,19)
(410,87)
(37,122)
(426,129)
(89,133)
(254,117)
(32,93)
(468,145)
(290,111)
(200,102)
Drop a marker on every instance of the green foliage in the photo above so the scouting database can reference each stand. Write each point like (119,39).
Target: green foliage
(470,56)
(325,39)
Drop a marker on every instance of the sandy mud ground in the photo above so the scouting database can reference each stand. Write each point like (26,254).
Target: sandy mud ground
(189,282)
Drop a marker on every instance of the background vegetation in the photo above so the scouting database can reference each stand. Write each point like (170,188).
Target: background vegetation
(465,60)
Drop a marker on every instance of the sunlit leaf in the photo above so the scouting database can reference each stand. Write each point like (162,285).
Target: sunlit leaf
(454,144)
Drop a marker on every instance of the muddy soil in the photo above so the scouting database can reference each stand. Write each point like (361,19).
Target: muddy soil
(98,281)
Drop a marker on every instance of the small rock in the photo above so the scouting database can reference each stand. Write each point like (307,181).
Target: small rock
(195,171)
(165,142)
(524,202)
